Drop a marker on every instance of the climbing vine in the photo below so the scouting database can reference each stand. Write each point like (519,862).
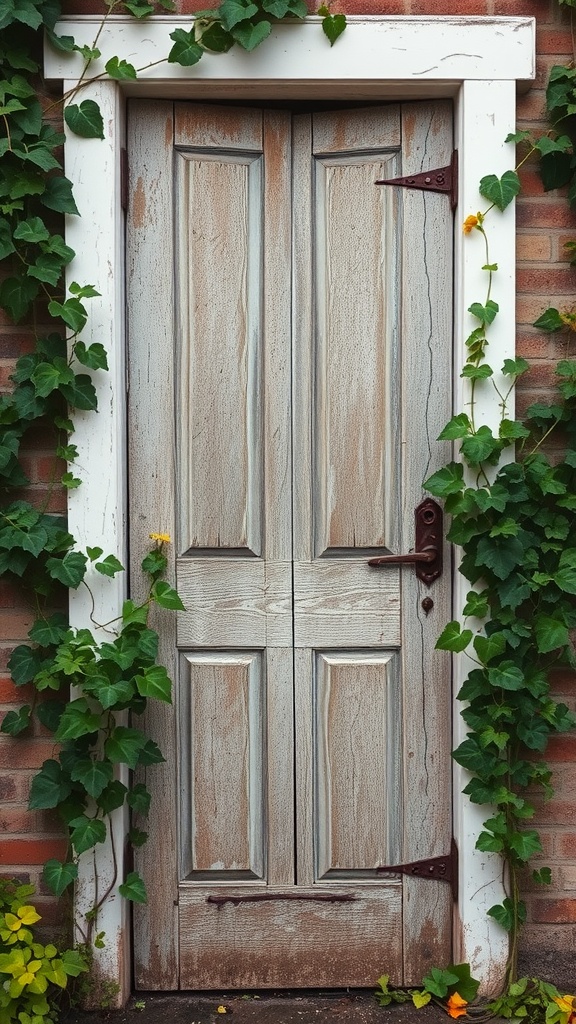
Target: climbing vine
(513,521)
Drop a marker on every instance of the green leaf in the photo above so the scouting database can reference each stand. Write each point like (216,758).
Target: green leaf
(94,356)
(186,50)
(93,774)
(86,833)
(124,746)
(488,647)
(486,314)
(550,320)
(154,563)
(517,137)
(500,191)
(501,555)
(542,876)
(166,596)
(85,119)
(17,295)
(555,170)
(77,720)
(472,371)
(250,35)
(24,663)
(81,393)
(459,426)
(155,682)
(49,787)
(448,480)
(515,367)
(49,376)
(234,11)
(212,36)
(69,570)
(333,26)
(72,312)
(525,844)
(58,195)
(478,447)
(15,722)
(31,230)
(550,633)
(59,876)
(112,796)
(109,566)
(133,888)
(136,837)
(506,675)
(49,631)
(476,604)
(120,70)
(139,799)
(454,638)
(466,985)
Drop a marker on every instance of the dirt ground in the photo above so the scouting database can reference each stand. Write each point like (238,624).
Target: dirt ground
(264,1008)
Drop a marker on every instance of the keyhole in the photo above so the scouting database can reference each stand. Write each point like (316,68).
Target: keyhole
(427,605)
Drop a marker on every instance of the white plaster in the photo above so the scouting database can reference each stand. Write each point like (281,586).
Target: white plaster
(476,60)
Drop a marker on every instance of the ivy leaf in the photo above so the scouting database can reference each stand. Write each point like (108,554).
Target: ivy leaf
(515,367)
(136,837)
(94,356)
(109,566)
(120,70)
(85,119)
(93,774)
(58,195)
(112,796)
(250,35)
(72,312)
(550,320)
(488,647)
(459,426)
(139,799)
(15,722)
(476,604)
(49,787)
(448,480)
(24,663)
(155,682)
(517,137)
(501,556)
(542,876)
(124,745)
(500,191)
(86,833)
(505,913)
(59,876)
(333,26)
(77,720)
(453,638)
(486,314)
(472,371)
(550,633)
(186,50)
(234,11)
(555,170)
(478,447)
(166,596)
(49,631)
(69,570)
(133,888)
(506,675)
(17,295)
(525,844)
(31,230)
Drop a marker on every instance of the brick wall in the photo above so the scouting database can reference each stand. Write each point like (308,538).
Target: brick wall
(544,278)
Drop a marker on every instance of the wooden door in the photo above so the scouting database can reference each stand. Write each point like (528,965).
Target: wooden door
(289,359)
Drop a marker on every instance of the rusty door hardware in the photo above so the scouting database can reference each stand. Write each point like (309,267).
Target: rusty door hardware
(429,535)
(261,897)
(441,179)
(440,869)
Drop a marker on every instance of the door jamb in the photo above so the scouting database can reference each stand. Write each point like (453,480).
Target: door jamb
(478,61)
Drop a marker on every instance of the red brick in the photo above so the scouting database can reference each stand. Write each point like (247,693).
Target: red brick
(16,818)
(562,748)
(566,845)
(25,753)
(31,851)
(545,213)
(14,625)
(551,281)
(557,40)
(560,911)
(533,247)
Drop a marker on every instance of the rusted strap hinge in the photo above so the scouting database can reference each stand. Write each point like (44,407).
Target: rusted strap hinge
(441,179)
(260,897)
(441,869)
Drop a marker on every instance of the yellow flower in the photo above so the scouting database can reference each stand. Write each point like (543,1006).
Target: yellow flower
(456,1005)
(162,538)
(568,1005)
(221,1009)
(471,222)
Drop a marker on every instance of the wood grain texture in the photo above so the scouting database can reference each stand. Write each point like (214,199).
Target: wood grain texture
(152,505)
(343,602)
(219,303)
(209,127)
(304,945)
(357,757)
(426,388)
(223,712)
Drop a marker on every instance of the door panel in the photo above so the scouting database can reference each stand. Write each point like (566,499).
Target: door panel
(295,366)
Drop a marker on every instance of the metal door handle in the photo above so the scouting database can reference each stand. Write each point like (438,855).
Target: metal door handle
(429,536)
(428,555)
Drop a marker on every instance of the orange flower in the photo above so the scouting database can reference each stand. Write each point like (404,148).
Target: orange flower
(471,222)
(456,1005)
(568,1006)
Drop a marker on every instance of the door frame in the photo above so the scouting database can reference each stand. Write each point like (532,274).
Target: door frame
(478,62)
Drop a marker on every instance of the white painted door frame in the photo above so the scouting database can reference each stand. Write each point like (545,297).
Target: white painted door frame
(477,61)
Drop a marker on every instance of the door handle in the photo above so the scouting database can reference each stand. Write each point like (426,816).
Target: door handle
(427,558)
(430,555)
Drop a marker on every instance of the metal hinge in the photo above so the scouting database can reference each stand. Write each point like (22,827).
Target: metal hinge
(441,179)
(441,869)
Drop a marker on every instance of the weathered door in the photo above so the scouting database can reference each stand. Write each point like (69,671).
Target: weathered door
(289,367)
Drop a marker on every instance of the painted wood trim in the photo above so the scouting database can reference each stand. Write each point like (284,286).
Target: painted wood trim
(485,113)
(373,49)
